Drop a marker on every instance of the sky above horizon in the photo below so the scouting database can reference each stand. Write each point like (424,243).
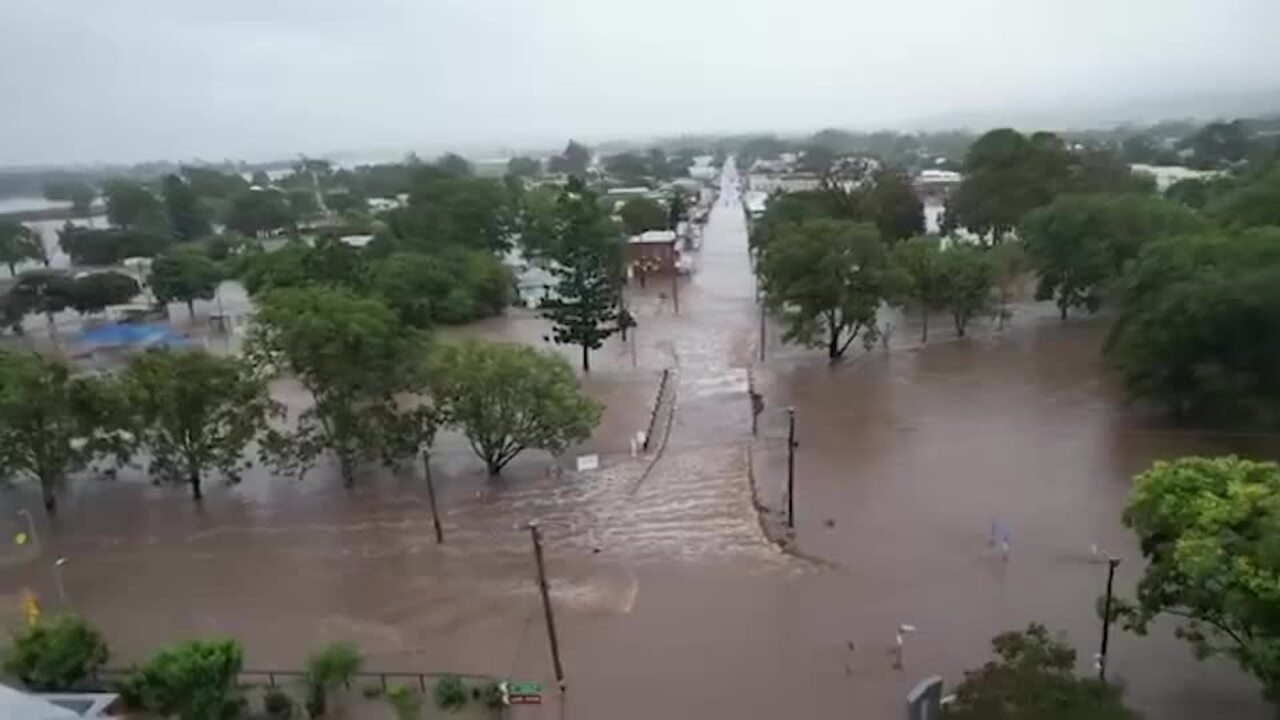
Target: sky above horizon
(133,80)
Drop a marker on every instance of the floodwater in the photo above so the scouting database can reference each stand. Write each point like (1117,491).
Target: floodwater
(669,598)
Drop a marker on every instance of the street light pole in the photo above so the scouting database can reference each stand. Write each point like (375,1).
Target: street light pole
(791,468)
(546,604)
(1112,562)
(57,580)
(762,335)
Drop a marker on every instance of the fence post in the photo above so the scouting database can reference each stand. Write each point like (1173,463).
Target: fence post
(271,679)
(422,682)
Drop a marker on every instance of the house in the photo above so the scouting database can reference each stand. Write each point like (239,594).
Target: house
(652,253)
(533,282)
(768,182)
(1166,175)
(936,185)
(755,201)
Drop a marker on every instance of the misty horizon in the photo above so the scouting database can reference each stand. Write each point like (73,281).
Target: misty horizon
(145,80)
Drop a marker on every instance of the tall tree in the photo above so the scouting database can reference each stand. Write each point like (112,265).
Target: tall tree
(110,246)
(1207,528)
(509,398)
(1196,331)
(521,166)
(1008,264)
(195,412)
(131,205)
(1079,244)
(641,214)
(584,309)
(896,208)
(258,212)
(19,242)
(93,293)
(53,424)
(187,218)
(352,356)
(826,279)
(454,164)
(77,192)
(965,279)
(1034,679)
(919,262)
(185,277)
(573,161)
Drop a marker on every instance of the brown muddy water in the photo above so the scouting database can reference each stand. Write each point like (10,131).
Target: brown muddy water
(671,601)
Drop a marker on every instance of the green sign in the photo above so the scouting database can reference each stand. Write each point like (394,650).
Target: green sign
(524,688)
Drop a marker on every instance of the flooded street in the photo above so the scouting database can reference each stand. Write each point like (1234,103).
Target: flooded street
(671,600)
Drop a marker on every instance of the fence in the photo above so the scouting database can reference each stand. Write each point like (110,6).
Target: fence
(274,678)
(657,406)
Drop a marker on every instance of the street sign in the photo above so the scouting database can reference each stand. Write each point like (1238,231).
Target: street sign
(525,693)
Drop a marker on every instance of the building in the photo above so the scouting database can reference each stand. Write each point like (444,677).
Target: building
(18,705)
(769,183)
(754,201)
(533,282)
(1166,175)
(936,185)
(652,253)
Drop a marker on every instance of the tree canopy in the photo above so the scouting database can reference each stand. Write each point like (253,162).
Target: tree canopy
(641,214)
(1208,529)
(826,279)
(509,398)
(195,412)
(52,423)
(18,243)
(1034,679)
(573,161)
(184,277)
(350,353)
(259,212)
(111,246)
(187,217)
(94,292)
(56,654)
(919,263)
(193,680)
(131,205)
(587,259)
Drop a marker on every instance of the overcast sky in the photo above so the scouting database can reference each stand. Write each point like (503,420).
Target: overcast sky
(109,80)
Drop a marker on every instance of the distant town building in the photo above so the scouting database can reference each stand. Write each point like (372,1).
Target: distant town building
(652,253)
(769,182)
(1166,175)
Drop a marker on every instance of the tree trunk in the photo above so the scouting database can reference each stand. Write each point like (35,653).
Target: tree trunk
(13,269)
(924,324)
(193,477)
(833,340)
(961,321)
(50,500)
(586,361)
(191,309)
(1062,311)
(431,496)
(494,468)
(348,473)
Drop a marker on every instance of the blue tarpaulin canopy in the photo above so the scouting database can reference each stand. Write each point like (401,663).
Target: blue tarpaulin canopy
(128,335)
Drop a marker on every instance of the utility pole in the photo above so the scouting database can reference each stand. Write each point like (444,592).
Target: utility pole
(791,468)
(431,496)
(762,335)
(546,603)
(1112,562)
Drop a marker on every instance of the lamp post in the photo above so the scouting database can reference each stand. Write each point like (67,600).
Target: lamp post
(1112,562)
(57,580)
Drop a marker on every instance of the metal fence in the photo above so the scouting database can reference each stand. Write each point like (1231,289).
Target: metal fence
(106,677)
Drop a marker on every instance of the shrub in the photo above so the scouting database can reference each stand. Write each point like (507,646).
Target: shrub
(406,703)
(277,705)
(56,655)
(450,693)
(327,668)
(194,680)
(492,695)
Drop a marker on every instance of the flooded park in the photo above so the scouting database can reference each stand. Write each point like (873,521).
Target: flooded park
(671,596)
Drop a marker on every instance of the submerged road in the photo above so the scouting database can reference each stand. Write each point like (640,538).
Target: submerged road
(670,599)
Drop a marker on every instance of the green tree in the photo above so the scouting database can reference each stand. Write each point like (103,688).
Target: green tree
(446,209)
(573,161)
(77,192)
(628,168)
(43,291)
(303,204)
(641,214)
(255,213)
(454,286)
(329,668)
(131,205)
(826,279)
(19,242)
(521,166)
(195,412)
(1034,679)
(454,164)
(964,273)
(260,178)
(918,261)
(587,255)
(187,218)
(345,203)
(57,654)
(184,277)
(93,293)
(1254,203)
(1079,244)
(194,680)
(53,424)
(509,398)
(208,182)
(1207,528)
(896,207)
(350,353)
(111,246)
(1196,331)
